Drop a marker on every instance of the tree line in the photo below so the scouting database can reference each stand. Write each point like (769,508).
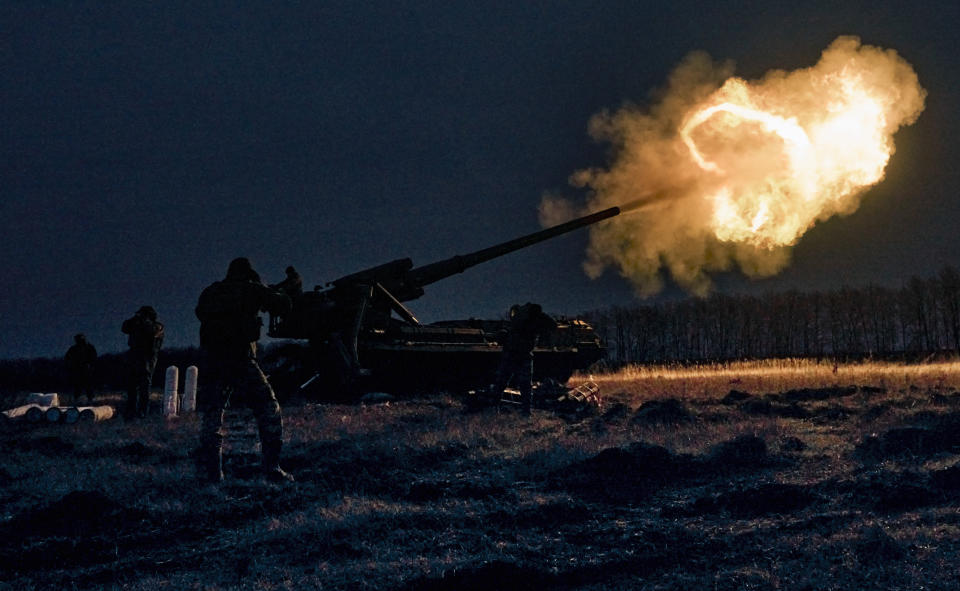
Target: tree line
(920,318)
(112,371)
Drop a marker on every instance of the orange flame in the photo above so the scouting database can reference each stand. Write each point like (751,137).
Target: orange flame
(770,201)
(734,172)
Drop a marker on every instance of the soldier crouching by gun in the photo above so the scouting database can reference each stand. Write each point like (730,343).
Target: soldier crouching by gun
(229,330)
(527,323)
(292,285)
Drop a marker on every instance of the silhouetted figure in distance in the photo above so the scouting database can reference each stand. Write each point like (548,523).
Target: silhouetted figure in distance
(81,359)
(145,337)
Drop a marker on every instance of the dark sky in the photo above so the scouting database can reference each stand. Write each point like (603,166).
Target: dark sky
(144,145)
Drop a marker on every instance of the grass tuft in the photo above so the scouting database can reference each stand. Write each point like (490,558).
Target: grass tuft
(787,474)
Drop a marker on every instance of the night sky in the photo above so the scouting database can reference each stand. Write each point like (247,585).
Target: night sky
(145,145)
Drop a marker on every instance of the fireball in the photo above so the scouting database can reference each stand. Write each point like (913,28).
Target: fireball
(779,162)
(732,172)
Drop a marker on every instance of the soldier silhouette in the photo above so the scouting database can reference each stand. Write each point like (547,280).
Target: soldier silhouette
(81,359)
(229,330)
(527,323)
(144,337)
(292,285)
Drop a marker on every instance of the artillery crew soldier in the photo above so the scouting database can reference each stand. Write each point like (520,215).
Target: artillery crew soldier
(527,323)
(229,330)
(292,285)
(81,358)
(145,337)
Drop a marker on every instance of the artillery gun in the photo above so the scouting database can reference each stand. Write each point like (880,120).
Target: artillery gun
(362,337)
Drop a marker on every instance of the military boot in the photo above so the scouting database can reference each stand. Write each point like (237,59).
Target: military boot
(271,463)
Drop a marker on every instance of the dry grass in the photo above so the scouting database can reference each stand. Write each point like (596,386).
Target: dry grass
(429,494)
(712,381)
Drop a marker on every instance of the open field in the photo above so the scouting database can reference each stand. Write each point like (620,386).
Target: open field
(786,475)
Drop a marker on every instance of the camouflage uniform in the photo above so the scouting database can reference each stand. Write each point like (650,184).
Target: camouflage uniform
(229,329)
(145,337)
(81,358)
(527,324)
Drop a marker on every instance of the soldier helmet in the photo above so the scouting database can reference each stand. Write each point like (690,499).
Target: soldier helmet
(147,311)
(240,269)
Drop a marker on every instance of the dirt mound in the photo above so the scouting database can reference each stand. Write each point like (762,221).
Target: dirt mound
(947,479)
(947,421)
(875,546)
(550,515)
(615,411)
(506,576)
(443,451)
(735,396)
(628,474)
(768,408)
(431,490)
(875,412)
(792,444)
(622,473)
(830,414)
(78,513)
(926,433)
(745,451)
(808,394)
(915,441)
(49,445)
(925,418)
(752,502)
(649,459)
(666,411)
(137,450)
(903,496)
(886,491)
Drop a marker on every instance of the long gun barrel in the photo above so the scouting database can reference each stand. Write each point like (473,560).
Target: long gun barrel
(347,300)
(415,279)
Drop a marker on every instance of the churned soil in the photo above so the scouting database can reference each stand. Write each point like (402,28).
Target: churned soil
(839,487)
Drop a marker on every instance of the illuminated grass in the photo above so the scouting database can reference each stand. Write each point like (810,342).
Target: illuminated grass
(418,492)
(716,380)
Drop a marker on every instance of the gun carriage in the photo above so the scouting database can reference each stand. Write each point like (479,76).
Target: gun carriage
(362,337)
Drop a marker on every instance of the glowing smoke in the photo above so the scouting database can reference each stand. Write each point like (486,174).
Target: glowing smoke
(730,173)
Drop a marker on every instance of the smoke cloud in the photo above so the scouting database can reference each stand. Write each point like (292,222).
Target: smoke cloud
(727,174)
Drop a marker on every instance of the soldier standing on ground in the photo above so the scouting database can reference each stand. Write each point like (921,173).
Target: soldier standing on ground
(145,337)
(527,323)
(81,358)
(229,330)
